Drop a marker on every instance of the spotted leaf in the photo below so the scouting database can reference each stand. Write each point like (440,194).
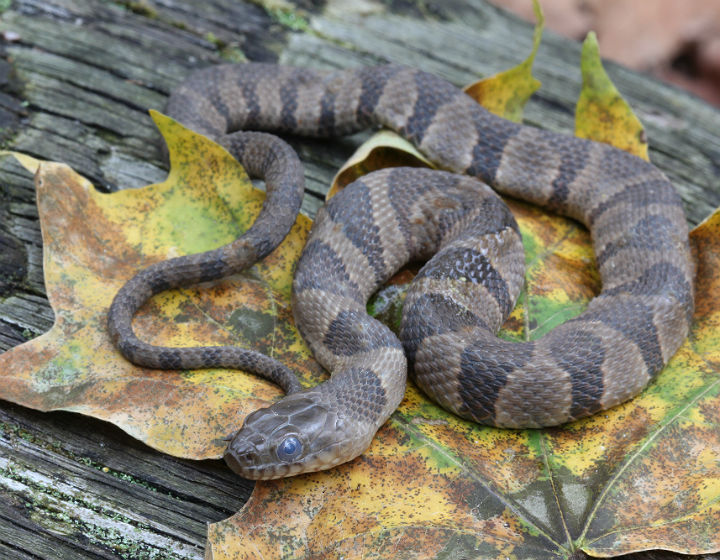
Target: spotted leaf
(93,242)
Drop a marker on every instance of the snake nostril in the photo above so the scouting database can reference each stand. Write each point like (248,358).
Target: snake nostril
(241,458)
(241,449)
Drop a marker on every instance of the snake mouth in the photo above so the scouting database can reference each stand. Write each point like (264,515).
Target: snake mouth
(263,472)
(245,462)
(242,468)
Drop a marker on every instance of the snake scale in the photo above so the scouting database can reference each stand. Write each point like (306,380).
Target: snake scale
(464,292)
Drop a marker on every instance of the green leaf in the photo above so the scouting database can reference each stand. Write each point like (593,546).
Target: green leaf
(505,94)
(601,113)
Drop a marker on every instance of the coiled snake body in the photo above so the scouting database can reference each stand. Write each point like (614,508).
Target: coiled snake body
(461,296)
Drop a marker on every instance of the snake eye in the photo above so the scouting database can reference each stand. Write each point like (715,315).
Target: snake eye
(289,449)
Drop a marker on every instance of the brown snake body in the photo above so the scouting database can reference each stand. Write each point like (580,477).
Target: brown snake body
(461,296)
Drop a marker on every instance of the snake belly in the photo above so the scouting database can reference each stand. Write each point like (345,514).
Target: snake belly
(462,295)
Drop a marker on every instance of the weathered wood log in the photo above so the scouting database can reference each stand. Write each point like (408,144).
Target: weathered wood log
(76,82)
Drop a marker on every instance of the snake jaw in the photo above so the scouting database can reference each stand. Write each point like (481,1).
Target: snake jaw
(316,434)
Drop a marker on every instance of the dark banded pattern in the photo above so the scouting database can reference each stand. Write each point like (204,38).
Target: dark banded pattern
(465,291)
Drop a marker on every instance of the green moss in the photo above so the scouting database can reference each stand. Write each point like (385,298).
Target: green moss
(232,53)
(17,432)
(5,5)
(210,37)
(288,18)
(387,304)
(57,447)
(138,7)
(228,51)
(117,474)
(43,509)
(109,136)
(28,334)
(179,25)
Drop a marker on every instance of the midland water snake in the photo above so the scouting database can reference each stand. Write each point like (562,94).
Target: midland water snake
(461,296)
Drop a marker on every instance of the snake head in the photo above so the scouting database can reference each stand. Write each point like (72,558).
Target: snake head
(297,434)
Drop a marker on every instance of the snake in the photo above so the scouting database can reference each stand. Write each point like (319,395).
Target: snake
(452,219)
